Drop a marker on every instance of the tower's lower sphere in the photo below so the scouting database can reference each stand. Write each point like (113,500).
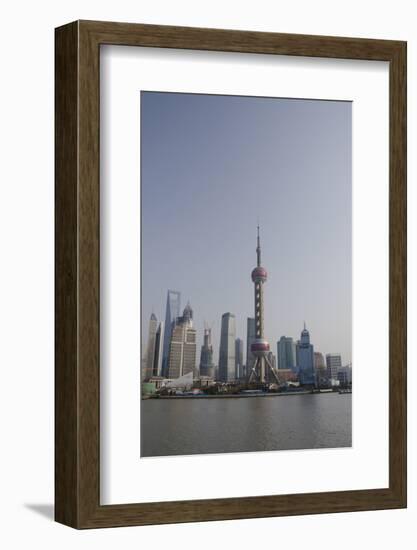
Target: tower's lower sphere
(259,347)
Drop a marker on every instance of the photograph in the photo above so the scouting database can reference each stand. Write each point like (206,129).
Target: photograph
(246,274)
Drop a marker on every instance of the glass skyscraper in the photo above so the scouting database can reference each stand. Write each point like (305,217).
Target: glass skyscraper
(305,359)
(153,361)
(171,315)
(227,348)
(286,353)
(206,356)
(239,359)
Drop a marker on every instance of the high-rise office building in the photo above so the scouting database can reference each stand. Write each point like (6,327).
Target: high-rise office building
(227,348)
(183,346)
(206,355)
(171,314)
(286,353)
(239,359)
(333,364)
(320,368)
(150,350)
(305,359)
(157,360)
(318,360)
(250,338)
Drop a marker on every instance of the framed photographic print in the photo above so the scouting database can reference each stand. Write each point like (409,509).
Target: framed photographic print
(230,274)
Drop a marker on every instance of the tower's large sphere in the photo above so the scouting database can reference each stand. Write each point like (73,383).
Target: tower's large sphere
(259,274)
(259,347)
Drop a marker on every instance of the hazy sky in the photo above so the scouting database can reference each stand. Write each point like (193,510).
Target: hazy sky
(211,166)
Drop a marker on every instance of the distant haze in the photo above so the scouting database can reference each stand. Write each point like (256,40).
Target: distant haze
(211,167)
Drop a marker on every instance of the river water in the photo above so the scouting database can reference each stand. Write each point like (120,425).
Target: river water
(223,425)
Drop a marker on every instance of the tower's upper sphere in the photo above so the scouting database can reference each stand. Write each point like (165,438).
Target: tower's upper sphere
(259,274)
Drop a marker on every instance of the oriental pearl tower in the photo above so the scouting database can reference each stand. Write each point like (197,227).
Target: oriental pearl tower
(260,346)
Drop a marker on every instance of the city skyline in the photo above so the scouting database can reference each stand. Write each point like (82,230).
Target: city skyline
(309,266)
(244,348)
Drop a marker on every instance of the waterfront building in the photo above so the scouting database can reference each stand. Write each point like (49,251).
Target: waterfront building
(287,375)
(204,382)
(183,346)
(183,382)
(148,388)
(157,381)
(320,368)
(344,375)
(171,314)
(206,355)
(250,338)
(305,359)
(262,368)
(333,364)
(227,348)
(239,359)
(286,353)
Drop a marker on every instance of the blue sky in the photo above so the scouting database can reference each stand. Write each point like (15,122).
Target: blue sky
(211,167)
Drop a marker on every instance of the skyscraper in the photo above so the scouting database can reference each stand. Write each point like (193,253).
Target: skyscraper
(157,361)
(250,338)
(183,346)
(239,359)
(344,375)
(333,364)
(260,347)
(206,355)
(171,314)
(150,351)
(305,359)
(227,348)
(318,360)
(320,368)
(286,353)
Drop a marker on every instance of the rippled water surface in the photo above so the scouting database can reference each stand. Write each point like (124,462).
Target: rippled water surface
(190,426)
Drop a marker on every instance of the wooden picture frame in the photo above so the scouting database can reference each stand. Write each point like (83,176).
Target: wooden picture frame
(77,359)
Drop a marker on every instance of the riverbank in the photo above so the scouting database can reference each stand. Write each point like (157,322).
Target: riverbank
(242,395)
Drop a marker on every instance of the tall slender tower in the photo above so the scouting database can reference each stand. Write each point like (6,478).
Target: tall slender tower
(260,346)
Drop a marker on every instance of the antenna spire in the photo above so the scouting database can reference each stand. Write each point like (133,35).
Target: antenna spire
(258,248)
